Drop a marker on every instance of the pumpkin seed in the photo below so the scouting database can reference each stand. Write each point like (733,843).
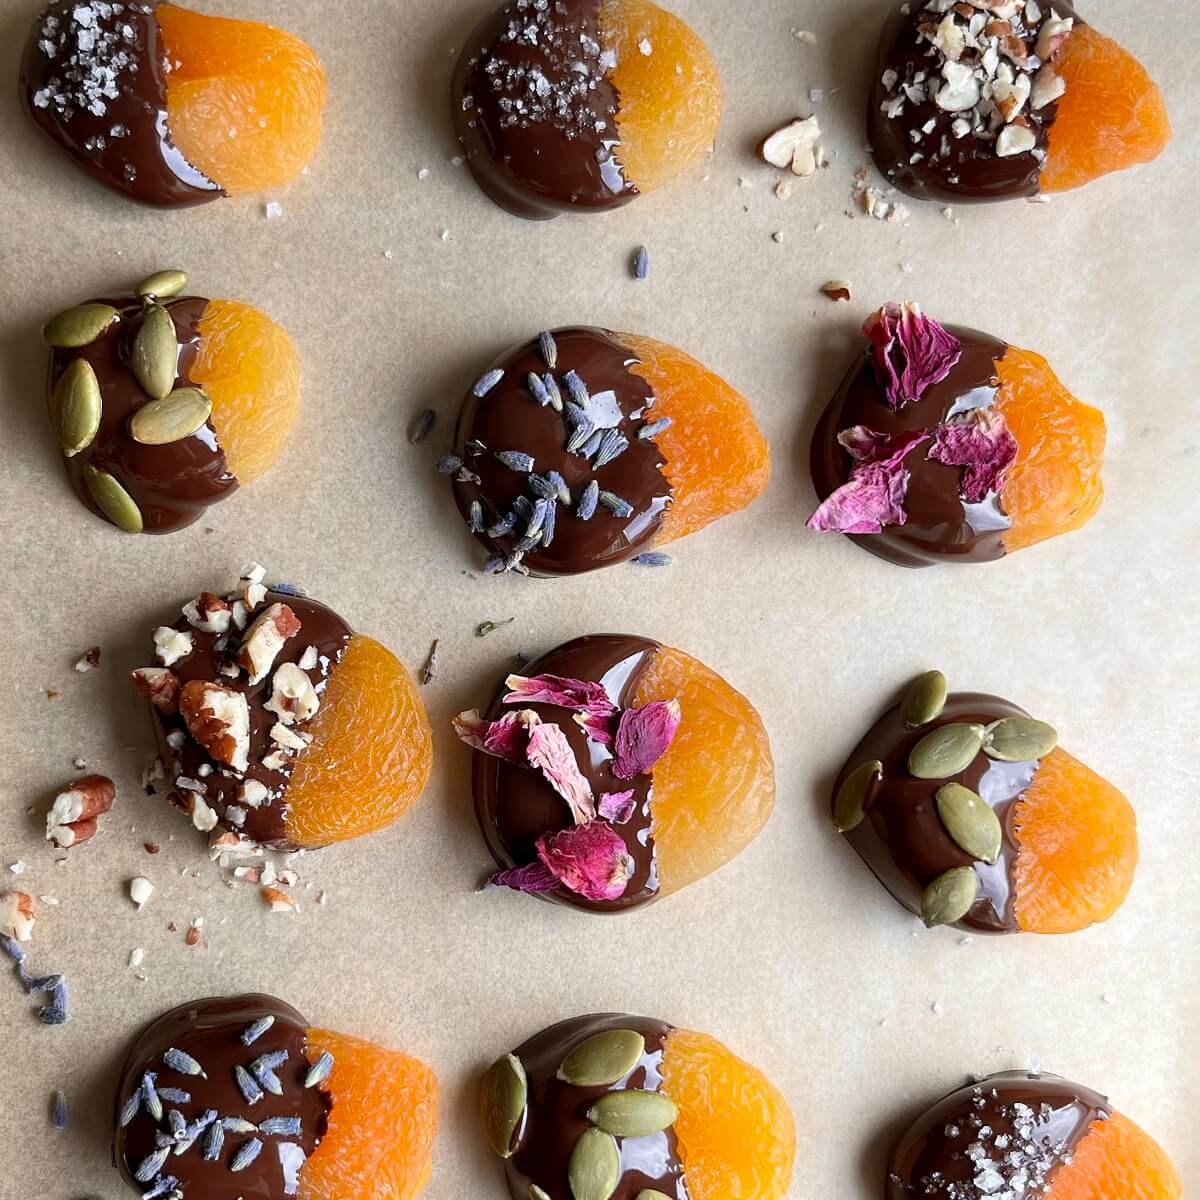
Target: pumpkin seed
(162,285)
(595,1167)
(77,407)
(504,1095)
(1019,739)
(924,700)
(633,1113)
(651,1194)
(603,1059)
(850,803)
(946,751)
(536,1193)
(970,821)
(949,897)
(154,358)
(79,326)
(172,418)
(113,500)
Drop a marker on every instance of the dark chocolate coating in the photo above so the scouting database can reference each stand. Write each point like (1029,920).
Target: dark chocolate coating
(508,418)
(171,484)
(902,839)
(536,112)
(557,1114)
(941,526)
(320,627)
(121,139)
(1036,1120)
(515,805)
(209,1030)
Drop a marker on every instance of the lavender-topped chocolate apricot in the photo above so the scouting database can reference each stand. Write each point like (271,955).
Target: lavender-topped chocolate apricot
(615,770)
(969,812)
(944,444)
(583,448)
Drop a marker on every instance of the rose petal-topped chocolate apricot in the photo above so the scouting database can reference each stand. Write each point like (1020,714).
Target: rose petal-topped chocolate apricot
(971,814)
(239,1096)
(279,723)
(946,444)
(999,99)
(170,106)
(614,1107)
(580,105)
(617,770)
(583,448)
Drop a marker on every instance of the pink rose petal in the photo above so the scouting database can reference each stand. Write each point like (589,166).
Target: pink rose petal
(617,807)
(643,737)
(599,728)
(981,442)
(506,738)
(551,753)
(589,859)
(911,352)
(559,690)
(533,877)
(873,496)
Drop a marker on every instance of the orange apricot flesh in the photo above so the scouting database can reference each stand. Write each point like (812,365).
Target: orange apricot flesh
(715,787)
(249,368)
(1077,848)
(379,1145)
(1055,485)
(669,100)
(371,752)
(736,1134)
(1112,115)
(244,100)
(1116,1158)
(716,458)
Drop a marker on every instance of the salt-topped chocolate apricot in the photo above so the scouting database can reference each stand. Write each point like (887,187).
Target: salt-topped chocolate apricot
(615,1107)
(615,770)
(280,724)
(1018,1134)
(581,105)
(582,448)
(1006,98)
(944,444)
(969,812)
(239,1097)
(168,105)
(163,403)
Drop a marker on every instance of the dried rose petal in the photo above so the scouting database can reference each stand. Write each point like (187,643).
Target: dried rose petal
(598,726)
(644,736)
(559,690)
(589,859)
(981,442)
(533,877)
(506,738)
(911,352)
(874,494)
(617,807)
(868,446)
(550,752)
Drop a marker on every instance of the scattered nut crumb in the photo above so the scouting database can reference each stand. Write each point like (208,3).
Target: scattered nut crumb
(272,209)
(136,957)
(278,900)
(140,891)
(89,662)
(76,810)
(836,289)
(796,147)
(17,916)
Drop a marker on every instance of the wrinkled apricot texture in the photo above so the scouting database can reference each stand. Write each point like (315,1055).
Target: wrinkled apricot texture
(1077,848)
(244,100)
(1055,485)
(737,1137)
(1111,117)
(717,459)
(371,751)
(670,100)
(1116,1159)
(251,372)
(715,787)
(379,1145)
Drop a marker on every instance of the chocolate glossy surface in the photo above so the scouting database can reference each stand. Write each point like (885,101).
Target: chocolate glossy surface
(941,526)
(535,110)
(93,76)
(210,1031)
(1006,1135)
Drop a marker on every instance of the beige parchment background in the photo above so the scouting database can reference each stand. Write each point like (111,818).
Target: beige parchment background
(792,954)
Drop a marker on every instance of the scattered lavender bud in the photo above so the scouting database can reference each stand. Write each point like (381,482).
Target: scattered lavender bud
(163,1186)
(575,416)
(592,445)
(503,527)
(556,400)
(12,948)
(548,348)
(652,558)
(131,1108)
(280,1126)
(579,438)
(487,382)
(151,1165)
(214,1141)
(612,446)
(564,492)
(238,1125)
(247,1152)
(449,464)
(184,1063)
(252,1033)
(51,1015)
(548,526)
(319,1071)
(641,263)
(494,565)
(542,487)
(58,1110)
(537,389)
(653,428)
(250,1090)
(175,1095)
(586,508)
(150,1097)
(419,428)
(577,389)
(177,1122)
(514,460)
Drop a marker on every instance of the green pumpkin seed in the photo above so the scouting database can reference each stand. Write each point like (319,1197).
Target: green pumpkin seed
(503,1097)
(946,751)
(171,419)
(79,326)
(77,407)
(651,1194)
(850,803)
(924,700)
(970,821)
(162,285)
(536,1193)
(949,897)
(155,355)
(1019,739)
(113,500)
(603,1059)
(632,1113)
(595,1167)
